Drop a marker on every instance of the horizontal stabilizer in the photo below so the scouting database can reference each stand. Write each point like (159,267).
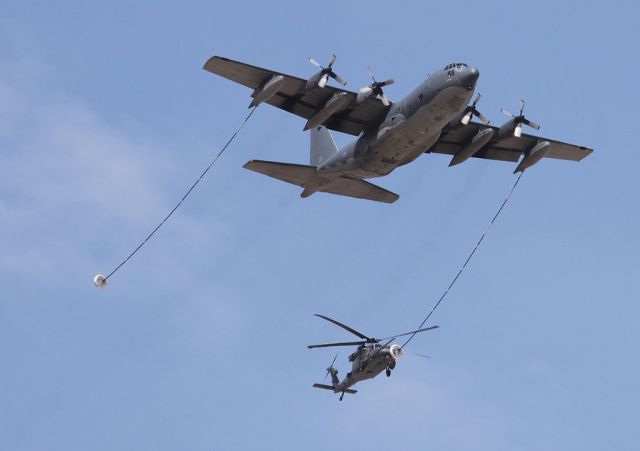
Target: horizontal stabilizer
(296,174)
(361,190)
(329,387)
(301,174)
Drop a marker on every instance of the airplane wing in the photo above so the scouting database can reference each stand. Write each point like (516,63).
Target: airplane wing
(507,149)
(290,98)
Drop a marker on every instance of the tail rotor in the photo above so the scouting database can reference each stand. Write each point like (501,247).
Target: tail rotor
(331,369)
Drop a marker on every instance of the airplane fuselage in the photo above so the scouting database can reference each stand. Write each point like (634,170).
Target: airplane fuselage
(409,127)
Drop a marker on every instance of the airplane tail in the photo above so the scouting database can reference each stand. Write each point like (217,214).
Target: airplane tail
(306,177)
(322,146)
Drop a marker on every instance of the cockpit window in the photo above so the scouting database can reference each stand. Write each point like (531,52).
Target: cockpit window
(455,65)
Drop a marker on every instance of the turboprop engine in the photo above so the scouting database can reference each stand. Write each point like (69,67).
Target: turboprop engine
(514,125)
(396,351)
(374,90)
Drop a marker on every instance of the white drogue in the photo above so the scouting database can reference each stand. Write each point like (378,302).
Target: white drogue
(100,281)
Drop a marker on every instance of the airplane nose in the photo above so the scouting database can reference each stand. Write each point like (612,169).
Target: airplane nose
(472,77)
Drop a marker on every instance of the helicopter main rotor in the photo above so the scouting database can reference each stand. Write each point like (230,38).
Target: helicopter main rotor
(365,339)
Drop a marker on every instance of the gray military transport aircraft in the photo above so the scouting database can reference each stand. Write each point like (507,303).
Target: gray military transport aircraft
(369,359)
(434,118)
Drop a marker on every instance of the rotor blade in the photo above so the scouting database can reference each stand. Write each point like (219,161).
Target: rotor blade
(484,119)
(344,343)
(409,333)
(522,102)
(466,118)
(323,81)
(506,112)
(332,60)
(345,327)
(338,78)
(315,63)
(531,124)
(384,99)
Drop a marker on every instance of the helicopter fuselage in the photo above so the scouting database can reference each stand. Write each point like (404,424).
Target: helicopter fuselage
(367,363)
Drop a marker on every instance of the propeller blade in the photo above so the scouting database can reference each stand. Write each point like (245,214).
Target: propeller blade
(517,131)
(332,60)
(315,63)
(531,124)
(338,78)
(370,71)
(466,118)
(323,80)
(366,90)
(522,102)
(388,82)
(409,333)
(421,355)
(484,119)
(345,327)
(506,112)
(344,343)
(384,99)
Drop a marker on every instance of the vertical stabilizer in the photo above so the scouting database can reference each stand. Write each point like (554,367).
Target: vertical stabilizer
(322,146)
(334,376)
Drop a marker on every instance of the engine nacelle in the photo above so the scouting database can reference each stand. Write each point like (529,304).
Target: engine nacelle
(472,147)
(364,94)
(396,352)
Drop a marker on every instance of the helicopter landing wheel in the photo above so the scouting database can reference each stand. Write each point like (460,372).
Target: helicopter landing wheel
(388,372)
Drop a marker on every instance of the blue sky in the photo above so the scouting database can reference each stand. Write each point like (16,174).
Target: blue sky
(199,342)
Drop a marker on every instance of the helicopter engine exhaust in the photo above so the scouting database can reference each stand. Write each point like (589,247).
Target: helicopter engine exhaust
(396,352)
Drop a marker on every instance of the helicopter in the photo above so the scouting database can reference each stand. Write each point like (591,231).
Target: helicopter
(370,358)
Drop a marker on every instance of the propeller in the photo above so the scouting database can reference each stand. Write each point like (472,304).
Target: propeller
(471,111)
(329,369)
(375,88)
(519,120)
(365,339)
(327,72)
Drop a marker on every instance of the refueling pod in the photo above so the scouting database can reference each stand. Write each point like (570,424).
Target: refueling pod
(531,157)
(268,90)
